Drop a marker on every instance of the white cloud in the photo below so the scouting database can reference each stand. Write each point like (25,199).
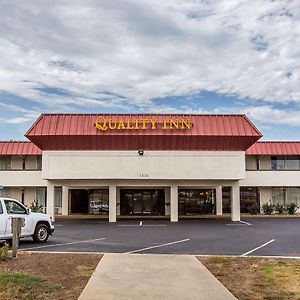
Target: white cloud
(146,49)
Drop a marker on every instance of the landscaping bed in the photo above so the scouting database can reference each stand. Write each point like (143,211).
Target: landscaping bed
(257,278)
(46,275)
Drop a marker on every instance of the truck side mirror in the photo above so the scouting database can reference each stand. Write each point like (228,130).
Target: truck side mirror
(28,211)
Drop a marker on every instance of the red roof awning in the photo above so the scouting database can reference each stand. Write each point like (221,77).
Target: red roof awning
(207,132)
(18,148)
(274,148)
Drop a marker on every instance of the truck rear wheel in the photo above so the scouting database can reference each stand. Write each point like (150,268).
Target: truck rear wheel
(41,233)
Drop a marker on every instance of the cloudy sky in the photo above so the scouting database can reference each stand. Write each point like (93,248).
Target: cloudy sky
(190,56)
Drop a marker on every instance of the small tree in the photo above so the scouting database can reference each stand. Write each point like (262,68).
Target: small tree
(4,252)
(268,208)
(280,208)
(254,209)
(291,208)
(35,207)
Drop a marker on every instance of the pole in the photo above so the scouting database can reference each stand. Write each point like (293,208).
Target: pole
(16,226)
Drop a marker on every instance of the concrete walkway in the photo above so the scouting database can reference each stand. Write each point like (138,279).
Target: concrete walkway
(150,276)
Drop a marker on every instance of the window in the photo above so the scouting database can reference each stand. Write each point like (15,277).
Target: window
(278,195)
(41,196)
(293,195)
(249,196)
(39,162)
(58,196)
(13,207)
(1,209)
(289,162)
(5,162)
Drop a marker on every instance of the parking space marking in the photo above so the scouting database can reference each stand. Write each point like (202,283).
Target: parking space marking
(138,225)
(157,246)
(141,223)
(62,244)
(243,222)
(259,247)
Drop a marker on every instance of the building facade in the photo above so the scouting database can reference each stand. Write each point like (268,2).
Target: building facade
(148,165)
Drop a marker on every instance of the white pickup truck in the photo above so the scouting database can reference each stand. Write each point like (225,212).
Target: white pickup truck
(38,226)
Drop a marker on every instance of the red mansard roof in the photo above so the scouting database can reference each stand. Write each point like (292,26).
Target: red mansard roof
(18,148)
(275,148)
(78,132)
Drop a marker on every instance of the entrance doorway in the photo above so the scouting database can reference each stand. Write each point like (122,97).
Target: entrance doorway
(196,201)
(79,201)
(142,202)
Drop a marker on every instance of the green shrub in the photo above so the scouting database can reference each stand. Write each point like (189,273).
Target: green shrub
(254,209)
(35,207)
(4,252)
(291,208)
(280,208)
(268,208)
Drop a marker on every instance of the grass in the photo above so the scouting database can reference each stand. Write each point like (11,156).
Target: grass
(257,278)
(17,285)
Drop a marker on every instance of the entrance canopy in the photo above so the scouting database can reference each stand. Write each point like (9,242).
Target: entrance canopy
(145,131)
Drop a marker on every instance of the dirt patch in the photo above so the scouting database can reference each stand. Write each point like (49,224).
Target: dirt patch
(66,274)
(257,278)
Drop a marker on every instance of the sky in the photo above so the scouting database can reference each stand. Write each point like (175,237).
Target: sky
(141,56)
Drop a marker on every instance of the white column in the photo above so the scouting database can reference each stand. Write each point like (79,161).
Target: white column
(235,202)
(65,201)
(50,199)
(219,204)
(112,203)
(174,203)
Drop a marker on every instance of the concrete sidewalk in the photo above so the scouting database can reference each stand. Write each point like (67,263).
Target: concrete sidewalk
(150,276)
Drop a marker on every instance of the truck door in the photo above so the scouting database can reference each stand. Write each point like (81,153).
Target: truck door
(15,209)
(2,221)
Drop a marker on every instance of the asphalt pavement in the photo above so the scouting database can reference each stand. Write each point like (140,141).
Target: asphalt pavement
(267,237)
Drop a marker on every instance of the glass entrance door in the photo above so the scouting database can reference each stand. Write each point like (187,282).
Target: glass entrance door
(142,202)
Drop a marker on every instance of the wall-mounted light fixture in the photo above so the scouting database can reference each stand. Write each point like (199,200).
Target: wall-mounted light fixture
(141,152)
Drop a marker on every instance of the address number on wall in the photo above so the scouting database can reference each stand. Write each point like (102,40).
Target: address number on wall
(144,175)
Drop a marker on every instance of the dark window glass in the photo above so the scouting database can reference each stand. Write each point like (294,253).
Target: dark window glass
(1,209)
(13,207)
(5,162)
(196,201)
(226,199)
(249,196)
(292,162)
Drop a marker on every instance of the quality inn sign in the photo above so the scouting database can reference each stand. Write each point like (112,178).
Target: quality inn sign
(141,123)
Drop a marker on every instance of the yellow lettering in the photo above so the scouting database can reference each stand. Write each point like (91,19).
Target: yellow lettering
(165,124)
(144,123)
(174,123)
(121,125)
(129,124)
(153,123)
(110,125)
(186,124)
(137,125)
(98,125)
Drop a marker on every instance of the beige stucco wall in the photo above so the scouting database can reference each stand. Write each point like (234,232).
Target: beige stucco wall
(228,165)
(271,178)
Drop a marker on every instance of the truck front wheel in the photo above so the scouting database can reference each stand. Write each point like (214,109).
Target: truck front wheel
(41,233)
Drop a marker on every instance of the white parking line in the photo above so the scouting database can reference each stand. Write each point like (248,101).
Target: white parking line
(141,223)
(62,244)
(157,246)
(259,247)
(243,222)
(131,225)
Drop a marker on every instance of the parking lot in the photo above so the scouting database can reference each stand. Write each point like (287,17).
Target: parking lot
(269,237)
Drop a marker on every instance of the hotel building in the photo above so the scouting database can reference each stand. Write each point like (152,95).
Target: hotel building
(148,165)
